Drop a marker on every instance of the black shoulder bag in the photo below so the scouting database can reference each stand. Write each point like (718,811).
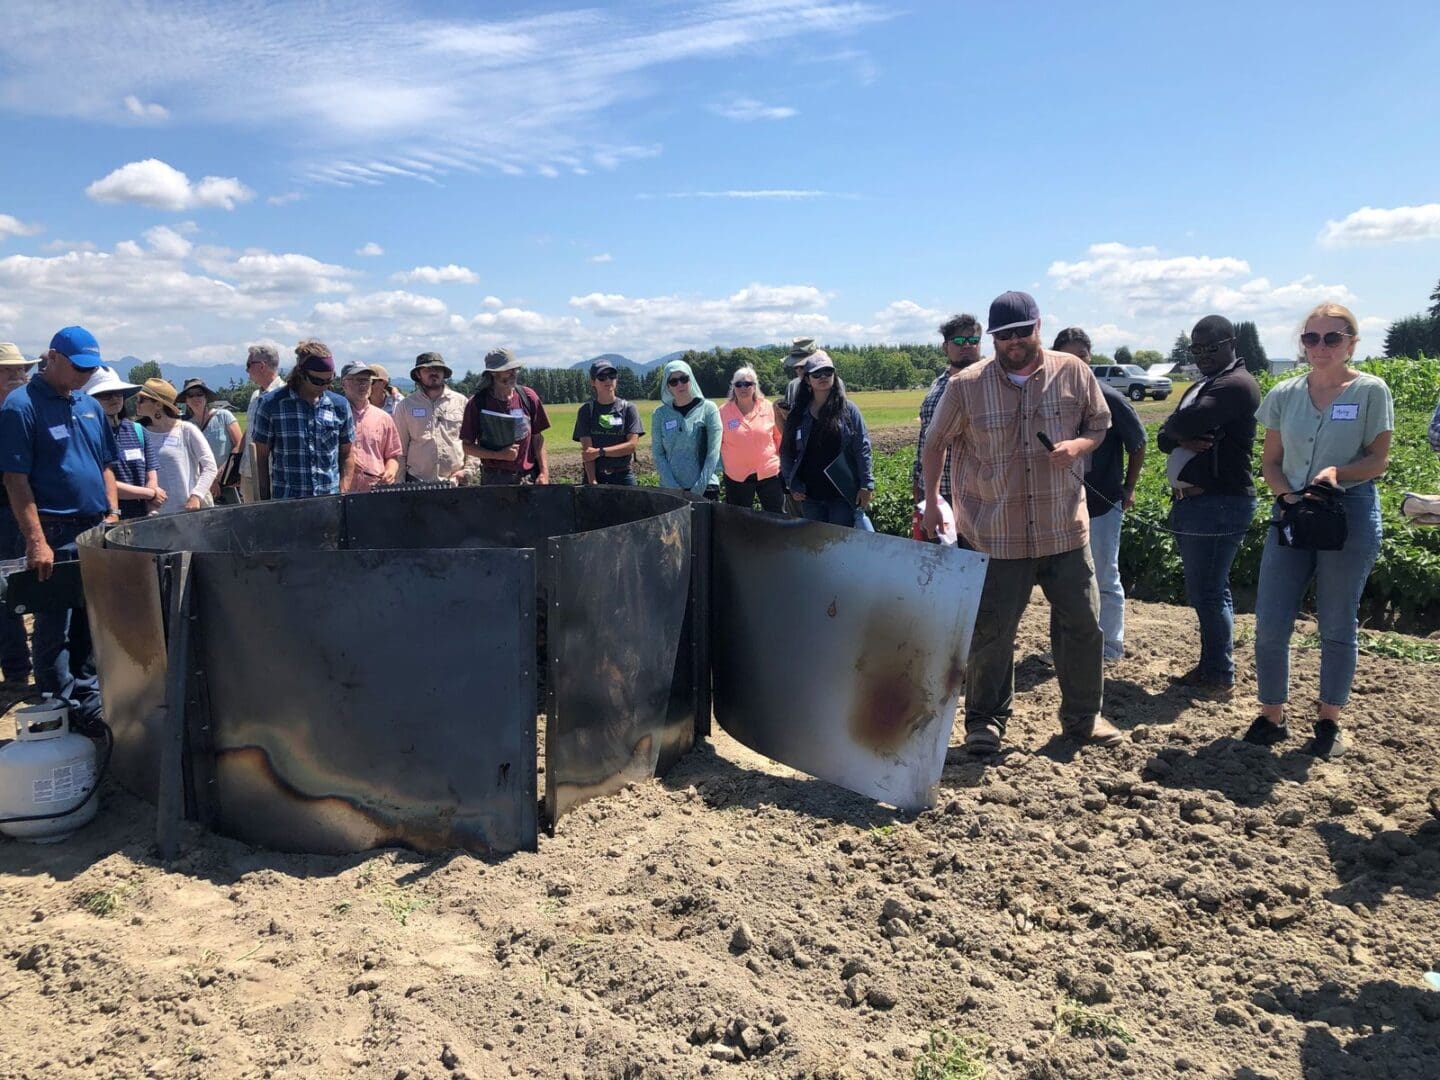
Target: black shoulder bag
(1312,524)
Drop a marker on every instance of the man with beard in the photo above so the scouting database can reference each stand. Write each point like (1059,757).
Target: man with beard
(960,339)
(1019,499)
(1209,438)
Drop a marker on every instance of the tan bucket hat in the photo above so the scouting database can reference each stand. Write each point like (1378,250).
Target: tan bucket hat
(161,391)
(11,356)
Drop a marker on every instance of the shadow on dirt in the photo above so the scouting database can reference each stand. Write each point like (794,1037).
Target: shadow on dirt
(1395,1029)
(1246,775)
(1369,867)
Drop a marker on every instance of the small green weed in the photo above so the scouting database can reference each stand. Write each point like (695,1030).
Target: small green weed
(1244,633)
(342,907)
(878,832)
(105,902)
(952,1057)
(1385,644)
(401,905)
(1074,1018)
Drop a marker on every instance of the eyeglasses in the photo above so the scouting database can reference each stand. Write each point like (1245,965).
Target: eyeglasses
(1333,338)
(966,339)
(746,385)
(318,380)
(1014,332)
(677,380)
(827,373)
(606,376)
(1209,350)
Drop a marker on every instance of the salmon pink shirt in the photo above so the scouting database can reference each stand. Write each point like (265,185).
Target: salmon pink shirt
(749,444)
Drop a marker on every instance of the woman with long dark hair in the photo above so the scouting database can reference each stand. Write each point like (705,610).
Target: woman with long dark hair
(825,454)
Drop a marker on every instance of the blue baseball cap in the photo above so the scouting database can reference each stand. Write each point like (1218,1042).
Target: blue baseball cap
(79,345)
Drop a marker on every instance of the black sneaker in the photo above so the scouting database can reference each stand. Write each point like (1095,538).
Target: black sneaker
(1265,732)
(1328,742)
(1204,684)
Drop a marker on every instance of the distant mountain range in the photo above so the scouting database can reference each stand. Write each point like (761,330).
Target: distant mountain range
(640,367)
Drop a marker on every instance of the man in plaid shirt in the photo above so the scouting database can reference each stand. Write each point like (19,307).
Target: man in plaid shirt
(304,431)
(960,338)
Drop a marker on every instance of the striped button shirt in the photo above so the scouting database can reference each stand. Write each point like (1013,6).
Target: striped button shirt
(304,441)
(1009,500)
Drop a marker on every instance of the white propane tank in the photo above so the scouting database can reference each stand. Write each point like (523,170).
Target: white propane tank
(48,769)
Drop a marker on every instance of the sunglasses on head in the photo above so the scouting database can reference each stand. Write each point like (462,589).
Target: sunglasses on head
(966,339)
(823,373)
(745,384)
(1209,350)
(677,380)
(318,380)
(1014,333)
(1333,338)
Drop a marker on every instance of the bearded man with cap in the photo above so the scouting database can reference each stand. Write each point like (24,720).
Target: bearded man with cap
(304,431)
(59,456)
(429,422)
(1018,428)
(522,461)
(382,395)
(14,644)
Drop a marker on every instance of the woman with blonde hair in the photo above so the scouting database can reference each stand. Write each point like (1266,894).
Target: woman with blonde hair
(1327,437)
(186,466)
(750,446)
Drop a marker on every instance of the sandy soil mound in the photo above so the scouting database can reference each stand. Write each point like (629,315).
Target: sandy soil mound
(1185,904)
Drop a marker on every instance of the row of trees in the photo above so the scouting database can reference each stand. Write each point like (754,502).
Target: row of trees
(1416,335)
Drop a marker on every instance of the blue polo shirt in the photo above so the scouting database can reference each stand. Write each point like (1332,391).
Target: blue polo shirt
(62,443)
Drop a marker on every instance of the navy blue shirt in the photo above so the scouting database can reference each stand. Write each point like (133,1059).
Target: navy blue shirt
(63,444)
(1106,470)
(139,456)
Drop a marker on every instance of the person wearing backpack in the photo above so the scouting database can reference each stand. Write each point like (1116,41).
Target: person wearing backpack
(137,476)
(504,425)
(608,428)
(686,434)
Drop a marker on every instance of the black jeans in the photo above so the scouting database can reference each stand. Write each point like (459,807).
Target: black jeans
(742,493)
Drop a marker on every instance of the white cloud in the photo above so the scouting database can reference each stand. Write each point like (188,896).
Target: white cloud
(13,226)
(440,92)
(1371,226)
(370,249)
(284,199)
(166,242)
(277,274)
(154,183)
(145,111)
(905,320)
(439,275)
(603,257)
(746,109)
(379,306)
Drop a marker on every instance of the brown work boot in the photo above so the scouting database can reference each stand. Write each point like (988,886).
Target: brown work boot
(1098,732)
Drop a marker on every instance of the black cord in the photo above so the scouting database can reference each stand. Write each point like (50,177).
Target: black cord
(100,772)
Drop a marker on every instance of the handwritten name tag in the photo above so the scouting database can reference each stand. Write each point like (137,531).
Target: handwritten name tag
(1350,411)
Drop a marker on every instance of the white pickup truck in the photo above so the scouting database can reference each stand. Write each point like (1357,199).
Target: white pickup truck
(1133,381)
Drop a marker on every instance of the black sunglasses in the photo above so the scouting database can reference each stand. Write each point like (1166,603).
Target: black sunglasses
(1209,350)
(742,385)
(1014,332)
(677,380)
(606,376)
(966,339)
(823,373)
(1333,338)
(318,380)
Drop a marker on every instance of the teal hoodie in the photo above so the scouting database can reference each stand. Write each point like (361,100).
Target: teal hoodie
(680,442)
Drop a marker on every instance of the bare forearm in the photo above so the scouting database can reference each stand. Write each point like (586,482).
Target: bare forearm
(1133,466)
(347,467)
(22,505)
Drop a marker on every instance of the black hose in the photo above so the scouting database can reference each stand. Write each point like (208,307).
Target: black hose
(100,772)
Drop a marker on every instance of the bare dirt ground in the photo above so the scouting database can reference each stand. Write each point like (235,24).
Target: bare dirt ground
(1221,911)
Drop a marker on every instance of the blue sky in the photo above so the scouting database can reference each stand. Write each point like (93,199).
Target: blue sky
(395,177)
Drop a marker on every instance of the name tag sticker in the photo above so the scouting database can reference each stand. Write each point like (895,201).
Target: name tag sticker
(419,412)
(134,453)
(734,425)
(59,431)
(671,425)
(1350,411)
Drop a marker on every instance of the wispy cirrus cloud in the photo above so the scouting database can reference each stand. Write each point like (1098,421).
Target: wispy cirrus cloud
(438,93)
(746,109)
(783,194)
(13,226)
(1371,226)
(143,110)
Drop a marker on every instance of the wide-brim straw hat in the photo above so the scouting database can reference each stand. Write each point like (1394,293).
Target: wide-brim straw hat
(11,356)
(161,391)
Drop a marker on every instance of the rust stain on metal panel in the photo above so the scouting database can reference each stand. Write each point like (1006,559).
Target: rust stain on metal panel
(266,808)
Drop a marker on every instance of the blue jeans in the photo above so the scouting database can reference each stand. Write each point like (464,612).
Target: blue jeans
(64,663)
(14,645)
(624,479)
(836,512)
(1339,576)
(1215,527)
(1105,551)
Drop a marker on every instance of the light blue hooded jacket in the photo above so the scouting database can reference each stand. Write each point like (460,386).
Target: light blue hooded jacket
(679,443)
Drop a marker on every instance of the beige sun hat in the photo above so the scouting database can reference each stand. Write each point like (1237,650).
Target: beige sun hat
(11,356)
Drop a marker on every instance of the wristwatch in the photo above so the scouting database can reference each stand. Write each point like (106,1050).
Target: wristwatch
(602,451)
